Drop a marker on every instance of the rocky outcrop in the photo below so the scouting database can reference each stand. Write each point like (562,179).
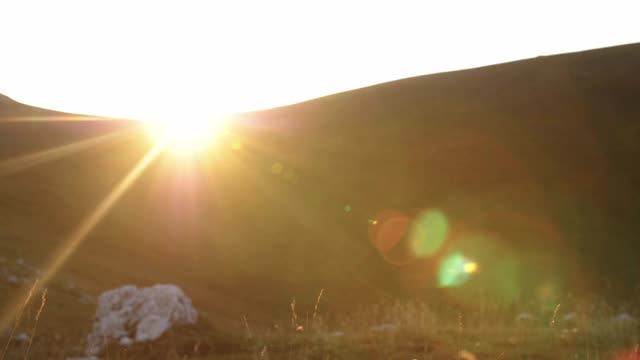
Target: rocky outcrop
(129,314)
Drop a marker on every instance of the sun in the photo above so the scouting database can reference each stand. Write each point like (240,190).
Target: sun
(185,137)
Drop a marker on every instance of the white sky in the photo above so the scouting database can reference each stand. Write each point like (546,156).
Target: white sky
(174,60)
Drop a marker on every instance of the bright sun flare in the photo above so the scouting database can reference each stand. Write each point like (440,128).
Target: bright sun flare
(185,137)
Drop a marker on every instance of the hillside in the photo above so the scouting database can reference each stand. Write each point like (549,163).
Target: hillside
(541,154)
(533,164)
(11,110)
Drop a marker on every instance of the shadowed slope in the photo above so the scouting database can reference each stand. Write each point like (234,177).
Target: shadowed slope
(540,153)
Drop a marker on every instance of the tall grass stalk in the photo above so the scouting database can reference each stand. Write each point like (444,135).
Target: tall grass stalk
(315,309)
(19,317)
(555,314)
(294,315)
(246,325)
(35,326)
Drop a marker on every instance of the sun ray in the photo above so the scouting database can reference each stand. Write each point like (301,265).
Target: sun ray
(86,226)
(20,163)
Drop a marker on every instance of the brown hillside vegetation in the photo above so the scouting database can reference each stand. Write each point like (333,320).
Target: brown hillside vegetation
(532,163)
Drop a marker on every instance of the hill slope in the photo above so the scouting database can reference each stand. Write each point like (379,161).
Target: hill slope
(16,111)
(540,153)
(533,164)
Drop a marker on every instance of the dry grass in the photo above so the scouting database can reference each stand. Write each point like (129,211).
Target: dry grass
(416,331)
(35,325)
(406,329)
(18,318)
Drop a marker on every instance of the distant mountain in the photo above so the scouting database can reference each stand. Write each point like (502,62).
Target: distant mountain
(10,108)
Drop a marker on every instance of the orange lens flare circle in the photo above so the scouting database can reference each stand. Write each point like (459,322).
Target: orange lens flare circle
(388,229)
(387,233)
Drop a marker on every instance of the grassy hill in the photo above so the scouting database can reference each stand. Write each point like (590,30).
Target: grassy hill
(533,164)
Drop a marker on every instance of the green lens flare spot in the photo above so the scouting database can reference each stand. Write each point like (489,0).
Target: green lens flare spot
(276,168)
(347,208)
(455,270)
(428,233)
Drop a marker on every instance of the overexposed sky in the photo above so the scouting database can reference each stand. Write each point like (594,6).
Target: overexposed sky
(178,59)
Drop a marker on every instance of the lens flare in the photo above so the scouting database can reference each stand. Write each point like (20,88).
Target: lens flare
(388,230)
(428,233)
(470,267)
(455,270)
(632,354)
(276,168)
(501,272)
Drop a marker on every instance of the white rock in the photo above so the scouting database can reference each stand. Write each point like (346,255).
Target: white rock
(143,314)
(571,320)
(624,319)
(570,317)
(524,318)
(384,327)
(21,338)
(126,341)
(151,327)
